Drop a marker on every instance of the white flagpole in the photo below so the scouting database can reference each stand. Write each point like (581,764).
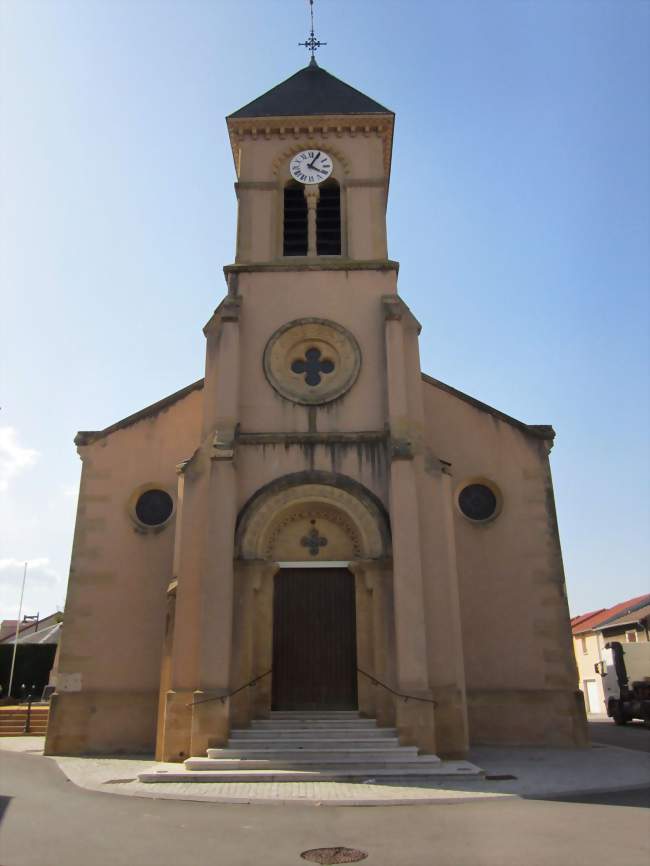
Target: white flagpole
(20,610)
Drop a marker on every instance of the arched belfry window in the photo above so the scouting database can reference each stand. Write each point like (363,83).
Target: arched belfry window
(328,219)
(299,237)
(295,220)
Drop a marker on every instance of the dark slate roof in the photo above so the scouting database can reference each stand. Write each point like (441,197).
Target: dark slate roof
(312,90)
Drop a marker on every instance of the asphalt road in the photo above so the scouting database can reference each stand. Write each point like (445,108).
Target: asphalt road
(634,735)
(48,821)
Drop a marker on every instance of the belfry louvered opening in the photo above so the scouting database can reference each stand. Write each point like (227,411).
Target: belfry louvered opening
(328,219)
(295,220)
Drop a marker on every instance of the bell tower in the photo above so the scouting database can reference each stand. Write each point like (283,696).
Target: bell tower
(312,158)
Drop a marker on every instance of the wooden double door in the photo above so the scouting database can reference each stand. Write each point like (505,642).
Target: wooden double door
(314,640)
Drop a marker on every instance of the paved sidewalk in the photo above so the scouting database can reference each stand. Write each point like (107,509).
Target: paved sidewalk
(538,773)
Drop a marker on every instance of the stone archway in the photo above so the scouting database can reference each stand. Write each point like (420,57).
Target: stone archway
(314,520)
(274,521)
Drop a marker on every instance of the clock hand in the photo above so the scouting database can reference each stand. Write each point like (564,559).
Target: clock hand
(311,164)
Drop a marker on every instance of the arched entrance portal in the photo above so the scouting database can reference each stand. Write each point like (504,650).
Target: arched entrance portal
(313,596)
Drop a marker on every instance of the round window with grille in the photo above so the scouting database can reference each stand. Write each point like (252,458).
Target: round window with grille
(479,501)
(152,508)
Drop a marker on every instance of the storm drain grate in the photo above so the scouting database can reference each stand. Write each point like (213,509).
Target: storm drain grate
(328,856)
(503,778)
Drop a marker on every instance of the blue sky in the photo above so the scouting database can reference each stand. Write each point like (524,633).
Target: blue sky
(519,210)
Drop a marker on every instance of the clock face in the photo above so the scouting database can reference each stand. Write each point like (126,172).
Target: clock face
(311,166)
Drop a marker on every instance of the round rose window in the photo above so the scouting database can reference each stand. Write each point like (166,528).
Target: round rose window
(477,502)
(312,361)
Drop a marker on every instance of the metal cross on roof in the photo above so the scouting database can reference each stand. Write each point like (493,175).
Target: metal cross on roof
(312,43)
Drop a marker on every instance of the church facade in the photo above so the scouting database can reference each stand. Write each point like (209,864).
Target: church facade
(315,524)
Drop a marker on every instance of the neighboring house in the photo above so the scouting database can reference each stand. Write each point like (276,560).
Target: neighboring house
(35,656)
(626,622)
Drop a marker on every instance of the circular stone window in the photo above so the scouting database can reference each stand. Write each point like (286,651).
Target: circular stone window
(479,501)
(312,361)
(153,508)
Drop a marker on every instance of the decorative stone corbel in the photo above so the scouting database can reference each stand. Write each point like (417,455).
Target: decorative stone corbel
(401,449)
(223,444)
(392,307)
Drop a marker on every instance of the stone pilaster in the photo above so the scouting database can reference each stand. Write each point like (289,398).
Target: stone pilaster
(201,664)
(415,719)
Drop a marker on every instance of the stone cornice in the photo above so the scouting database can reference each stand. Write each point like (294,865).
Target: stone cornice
(311,130)
(305,264)
(395,309)
(345,438)
(227,311)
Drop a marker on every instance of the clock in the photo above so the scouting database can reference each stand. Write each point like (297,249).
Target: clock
(311,166)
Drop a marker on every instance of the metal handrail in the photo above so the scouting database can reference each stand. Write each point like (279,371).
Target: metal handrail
(222,698)
(406,698)
(28,718)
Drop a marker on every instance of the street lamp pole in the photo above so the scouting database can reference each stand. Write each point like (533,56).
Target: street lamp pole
(20,610)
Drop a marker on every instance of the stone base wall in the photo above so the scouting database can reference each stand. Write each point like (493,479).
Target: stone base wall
(535,717)
(102,723)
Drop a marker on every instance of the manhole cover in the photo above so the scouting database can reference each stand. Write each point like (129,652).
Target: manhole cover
(327,856)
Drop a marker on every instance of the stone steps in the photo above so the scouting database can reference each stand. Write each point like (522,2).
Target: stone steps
(14,718)
(313,746)
(321,733)
(335,761)
(311,743)
(312,715)
(309,725)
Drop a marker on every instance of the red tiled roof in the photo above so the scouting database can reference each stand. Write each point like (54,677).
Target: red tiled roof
(627,618)
(589,621)
(576,620)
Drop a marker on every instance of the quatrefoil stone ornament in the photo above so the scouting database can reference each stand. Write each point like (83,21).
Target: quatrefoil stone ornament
(312,366)
(312,361)
(313,541)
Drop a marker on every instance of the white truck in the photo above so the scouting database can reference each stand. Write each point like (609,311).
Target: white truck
(626,681)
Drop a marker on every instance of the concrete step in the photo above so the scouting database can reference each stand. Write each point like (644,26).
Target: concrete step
(13,715)
(307,724)
(335,760)
(283,753)
(358,773)
(21,708)
(315,714)
(314,743)
(308,733)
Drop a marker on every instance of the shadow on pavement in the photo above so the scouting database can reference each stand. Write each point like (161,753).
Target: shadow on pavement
(639,798)
(4,803)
